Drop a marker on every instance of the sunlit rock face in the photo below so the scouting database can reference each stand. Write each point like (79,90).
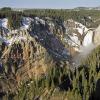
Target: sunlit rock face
(97,36)
(81,39)
(77,35)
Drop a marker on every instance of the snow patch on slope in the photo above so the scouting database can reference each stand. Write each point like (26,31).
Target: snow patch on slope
(4,22)
(40,20)
(26,21)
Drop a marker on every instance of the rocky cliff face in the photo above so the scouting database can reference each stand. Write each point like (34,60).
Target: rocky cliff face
(29,50)
(60,39)
(41,31)
(97,36)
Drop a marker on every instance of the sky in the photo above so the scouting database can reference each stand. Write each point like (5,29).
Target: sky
(54,4)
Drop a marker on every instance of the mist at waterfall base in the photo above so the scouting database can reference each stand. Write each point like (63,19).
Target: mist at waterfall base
(83,54)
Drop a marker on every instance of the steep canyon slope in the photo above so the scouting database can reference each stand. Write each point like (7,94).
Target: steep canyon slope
(28,50)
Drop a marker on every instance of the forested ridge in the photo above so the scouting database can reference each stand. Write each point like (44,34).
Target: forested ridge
(81,16)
